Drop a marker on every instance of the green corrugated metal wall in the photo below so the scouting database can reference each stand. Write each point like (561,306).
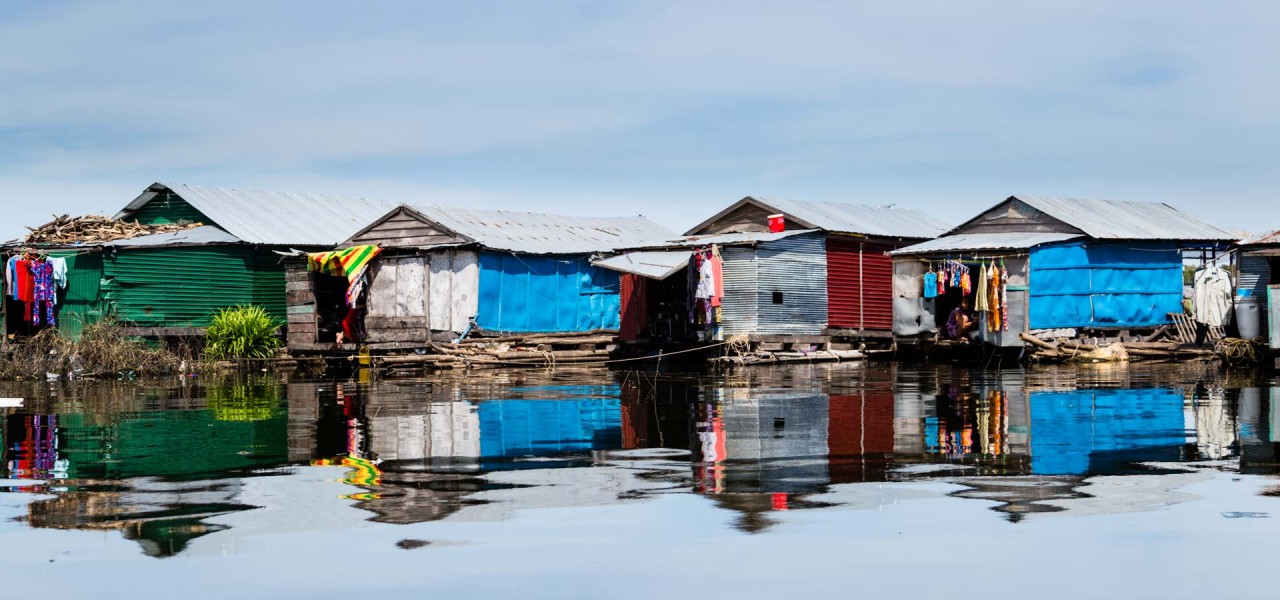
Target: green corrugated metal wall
(168,207)
(81,303)
(182,287)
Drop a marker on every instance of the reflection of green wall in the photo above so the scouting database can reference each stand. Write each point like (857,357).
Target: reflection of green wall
(170,443)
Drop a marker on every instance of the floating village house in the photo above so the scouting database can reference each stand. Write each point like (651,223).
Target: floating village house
(1067,266)
(794,273)
(170,284)
(1258,290)
(444,272)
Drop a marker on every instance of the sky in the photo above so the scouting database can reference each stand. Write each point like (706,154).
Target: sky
(672,110)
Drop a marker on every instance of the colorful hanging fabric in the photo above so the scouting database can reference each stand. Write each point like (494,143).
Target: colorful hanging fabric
(1004,298)
(43,293)
(981,302)
(966,284)
(993,293)
(351,263)
(930,285)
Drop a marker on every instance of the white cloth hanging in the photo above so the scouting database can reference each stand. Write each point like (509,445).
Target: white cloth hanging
(706,280)
(1212,296)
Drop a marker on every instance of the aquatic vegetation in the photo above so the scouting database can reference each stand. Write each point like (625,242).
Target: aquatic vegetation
(242,332)
(100,350)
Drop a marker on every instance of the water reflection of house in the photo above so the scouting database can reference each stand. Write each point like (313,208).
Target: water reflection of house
(153,475)
(1105,431)
(425,455)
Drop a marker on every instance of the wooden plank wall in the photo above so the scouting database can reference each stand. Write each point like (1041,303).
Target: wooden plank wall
(412,296)
(300,303)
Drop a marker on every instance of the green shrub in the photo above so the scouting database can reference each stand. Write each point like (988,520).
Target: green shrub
(241,332)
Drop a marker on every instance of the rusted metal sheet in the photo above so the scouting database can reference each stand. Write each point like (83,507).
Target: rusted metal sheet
(859,285)
(634,306)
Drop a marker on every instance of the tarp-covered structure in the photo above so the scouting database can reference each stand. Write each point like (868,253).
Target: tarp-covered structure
(172,283)
(1070,264)
(444,271)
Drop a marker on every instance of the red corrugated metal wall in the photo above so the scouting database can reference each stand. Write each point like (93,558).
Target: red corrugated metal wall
(634,315)
(844,270)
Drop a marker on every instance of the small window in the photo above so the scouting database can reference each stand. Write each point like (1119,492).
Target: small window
(777,297)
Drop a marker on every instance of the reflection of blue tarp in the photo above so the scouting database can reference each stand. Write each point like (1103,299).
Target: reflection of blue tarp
(1101,431)
(540,293)
(515,428)
(1104,284)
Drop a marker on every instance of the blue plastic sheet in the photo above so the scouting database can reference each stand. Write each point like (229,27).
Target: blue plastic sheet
(523,293)
(1104,431)
(1104,284)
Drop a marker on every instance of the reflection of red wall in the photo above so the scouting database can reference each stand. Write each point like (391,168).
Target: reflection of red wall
(635,417)
(634,312)
(861,424)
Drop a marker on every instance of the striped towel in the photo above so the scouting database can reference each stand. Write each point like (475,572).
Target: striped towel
(350,263)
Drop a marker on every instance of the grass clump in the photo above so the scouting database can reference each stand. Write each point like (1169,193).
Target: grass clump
(242,332)
(101,350)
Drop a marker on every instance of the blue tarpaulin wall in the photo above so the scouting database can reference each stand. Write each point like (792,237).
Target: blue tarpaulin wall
(548,428)
(1104,431)
(1104,284)
(525,293)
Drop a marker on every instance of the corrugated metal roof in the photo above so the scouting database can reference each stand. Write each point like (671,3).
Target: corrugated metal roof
(190,237)
(887,221)
(275,218)
(723,239)
(647,263)
(1114,219)
(1264,240)
(537,233)
(984,241)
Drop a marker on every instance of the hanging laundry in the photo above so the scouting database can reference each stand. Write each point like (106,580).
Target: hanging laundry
(59,271)
(966,284)
(24,288)
(930,284)
(1212,296)
(10,281)
(1004,297)
(993,293)
(717,272)
(43,293)
(981,302)
(352,263)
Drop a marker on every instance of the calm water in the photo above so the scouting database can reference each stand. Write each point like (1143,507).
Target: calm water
(857,480)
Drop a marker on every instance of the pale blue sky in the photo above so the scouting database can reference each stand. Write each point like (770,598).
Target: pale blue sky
(669,109)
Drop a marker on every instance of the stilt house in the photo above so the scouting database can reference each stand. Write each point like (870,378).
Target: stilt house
(1071,265)
(1257,285)
(170,284)
(446,271)
(794,272)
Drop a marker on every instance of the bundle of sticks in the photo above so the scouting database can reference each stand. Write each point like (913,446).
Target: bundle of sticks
(66,229)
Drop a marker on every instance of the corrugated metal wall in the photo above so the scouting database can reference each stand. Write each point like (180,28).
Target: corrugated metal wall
(168,207)
(81,304)
(525,293)
(182,287)
(859,285)
(1255,274)
(791,295)
(632,292)
(739,308)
